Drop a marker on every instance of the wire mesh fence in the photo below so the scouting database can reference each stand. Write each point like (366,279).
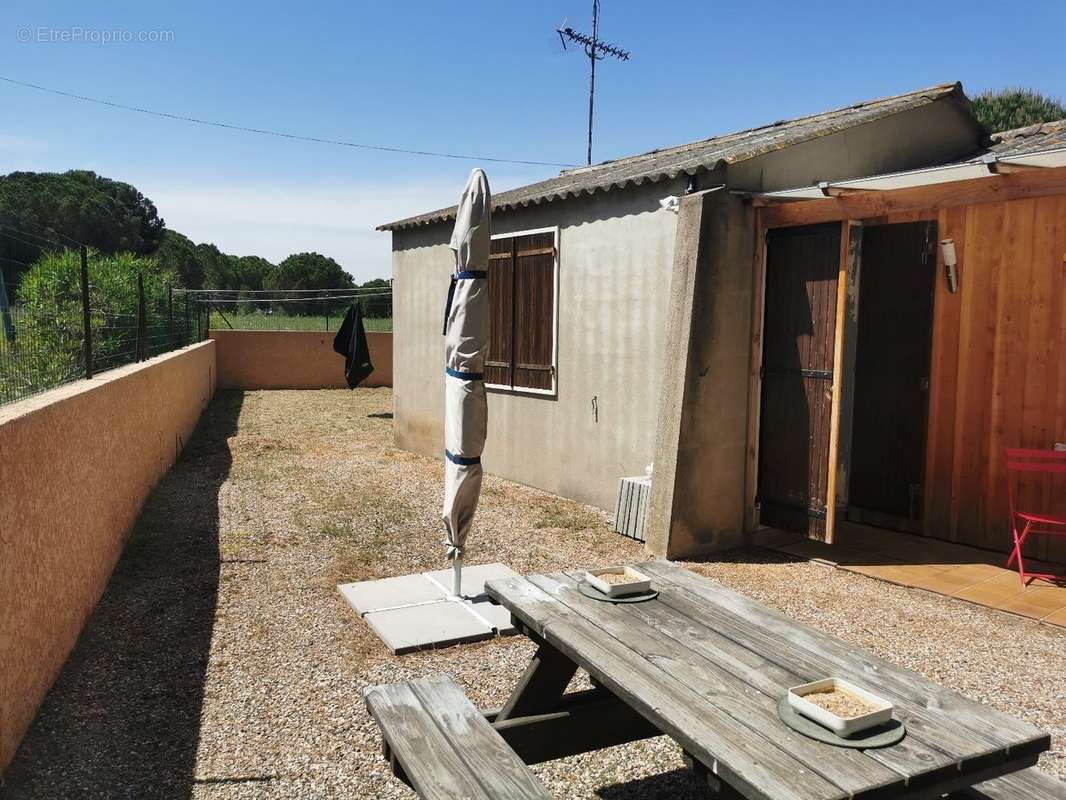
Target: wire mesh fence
(75,326)
(77,321)
(293,309)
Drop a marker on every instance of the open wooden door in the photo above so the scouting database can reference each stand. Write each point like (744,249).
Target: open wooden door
(800,318)
(892,375)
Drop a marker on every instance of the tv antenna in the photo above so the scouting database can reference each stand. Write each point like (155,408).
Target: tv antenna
(596,50)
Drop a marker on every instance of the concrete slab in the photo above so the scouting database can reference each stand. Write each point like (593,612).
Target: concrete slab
(474,577)
(367,596)
(413,612)
(497,616)
(404,630)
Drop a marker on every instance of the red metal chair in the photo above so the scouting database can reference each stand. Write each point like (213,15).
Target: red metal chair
(1021,460)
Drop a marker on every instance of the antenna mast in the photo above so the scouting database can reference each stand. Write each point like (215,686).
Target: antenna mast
(596,51)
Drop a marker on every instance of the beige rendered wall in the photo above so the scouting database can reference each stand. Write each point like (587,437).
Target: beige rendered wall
(76,464)
(697,503)
(616,266)
(293,360)
(698,493)
(615,251)
(937,133)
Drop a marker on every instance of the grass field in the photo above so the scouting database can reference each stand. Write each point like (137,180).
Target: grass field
(290,322)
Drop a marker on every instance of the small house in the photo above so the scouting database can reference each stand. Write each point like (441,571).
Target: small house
(630,304)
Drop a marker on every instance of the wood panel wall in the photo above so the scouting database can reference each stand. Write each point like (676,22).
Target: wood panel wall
(998,369)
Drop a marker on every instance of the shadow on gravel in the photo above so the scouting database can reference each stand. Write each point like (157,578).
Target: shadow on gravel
(678,784)
(123,718)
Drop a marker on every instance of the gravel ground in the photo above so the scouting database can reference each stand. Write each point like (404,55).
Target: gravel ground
(222,663)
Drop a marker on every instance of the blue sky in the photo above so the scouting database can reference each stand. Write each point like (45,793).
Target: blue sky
(488,79)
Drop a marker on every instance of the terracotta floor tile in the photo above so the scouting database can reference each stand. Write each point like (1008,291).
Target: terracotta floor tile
(980,572)
(904,574)
(958,578)
(937,566)
(1056,618)
(1036,602)
(1006,578)
(990,593)
(886,572)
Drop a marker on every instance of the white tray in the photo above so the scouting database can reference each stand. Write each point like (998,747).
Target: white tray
(638,582)
(839,725)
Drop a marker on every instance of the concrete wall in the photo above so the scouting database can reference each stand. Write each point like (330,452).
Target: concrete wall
(697,503)
(76,464)
(615,252)
(698,493)
(933,134)
(293,360)
(616,266)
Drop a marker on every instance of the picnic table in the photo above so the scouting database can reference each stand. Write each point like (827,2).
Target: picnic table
(707,667)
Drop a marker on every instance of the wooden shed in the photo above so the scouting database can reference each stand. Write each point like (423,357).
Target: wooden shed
(886,392)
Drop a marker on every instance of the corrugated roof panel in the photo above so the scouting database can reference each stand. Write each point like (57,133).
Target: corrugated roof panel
(696,157)
(1032,138)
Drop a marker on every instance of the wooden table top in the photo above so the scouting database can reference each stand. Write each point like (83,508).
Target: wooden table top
(707,667)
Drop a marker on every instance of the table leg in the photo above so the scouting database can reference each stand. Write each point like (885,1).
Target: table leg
(719,789)
(542,684)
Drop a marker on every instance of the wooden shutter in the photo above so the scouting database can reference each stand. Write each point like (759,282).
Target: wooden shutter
(499,361)
(534,310)
(802,266)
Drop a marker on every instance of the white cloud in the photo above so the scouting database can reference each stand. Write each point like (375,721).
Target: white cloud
(275,220)
(11,143)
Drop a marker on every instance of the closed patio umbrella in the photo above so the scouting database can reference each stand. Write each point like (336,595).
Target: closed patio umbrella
(466,333)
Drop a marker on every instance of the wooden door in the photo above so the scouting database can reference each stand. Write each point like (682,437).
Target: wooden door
(892,352)
(802,266)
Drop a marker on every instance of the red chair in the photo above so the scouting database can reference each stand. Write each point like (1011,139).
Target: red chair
(1044,461)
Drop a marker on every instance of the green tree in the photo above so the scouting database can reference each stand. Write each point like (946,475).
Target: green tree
(179,253)
(218,267)
(308,271)
(377,303)
(252,272)
(71,207)
(49,329)
(1015,108)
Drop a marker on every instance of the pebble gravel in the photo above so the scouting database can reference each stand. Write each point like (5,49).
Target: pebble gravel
(222,662)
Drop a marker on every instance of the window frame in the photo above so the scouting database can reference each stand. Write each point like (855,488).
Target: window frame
(554,390)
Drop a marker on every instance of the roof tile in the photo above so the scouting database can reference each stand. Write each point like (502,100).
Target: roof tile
(1030,139)
(695,157)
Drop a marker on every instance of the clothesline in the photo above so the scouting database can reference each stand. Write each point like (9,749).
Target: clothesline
(238,300)
(287,291)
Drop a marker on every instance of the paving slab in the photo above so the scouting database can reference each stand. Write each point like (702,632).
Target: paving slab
(367,596)
(496,615)
(441,624)
(474,577)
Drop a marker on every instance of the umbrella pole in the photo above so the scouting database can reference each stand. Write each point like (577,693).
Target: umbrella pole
(457,576)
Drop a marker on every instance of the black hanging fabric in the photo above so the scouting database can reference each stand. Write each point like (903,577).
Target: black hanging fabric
(350,342)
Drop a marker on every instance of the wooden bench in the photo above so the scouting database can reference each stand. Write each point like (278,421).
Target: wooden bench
(441,746)
(1028,784)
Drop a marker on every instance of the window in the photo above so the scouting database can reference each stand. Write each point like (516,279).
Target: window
(522,289)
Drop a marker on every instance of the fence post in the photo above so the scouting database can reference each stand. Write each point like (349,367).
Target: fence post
(86,320)
(170,317)
(142,321)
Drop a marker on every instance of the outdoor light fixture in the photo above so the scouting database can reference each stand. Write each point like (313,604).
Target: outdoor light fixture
(950,264)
